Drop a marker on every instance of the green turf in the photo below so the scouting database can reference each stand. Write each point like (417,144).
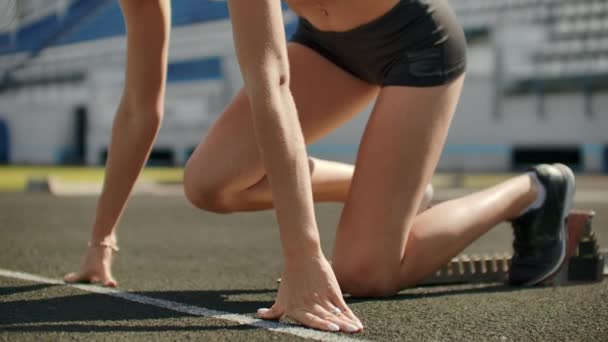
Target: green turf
(14,178)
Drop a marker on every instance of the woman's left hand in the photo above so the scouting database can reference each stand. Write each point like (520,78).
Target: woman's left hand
(309,294)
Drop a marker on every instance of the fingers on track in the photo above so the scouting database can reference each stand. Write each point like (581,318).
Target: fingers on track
(75,277)
(273,313)
(346,311)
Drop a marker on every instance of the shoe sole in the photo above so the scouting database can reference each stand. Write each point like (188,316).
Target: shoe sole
(570,188)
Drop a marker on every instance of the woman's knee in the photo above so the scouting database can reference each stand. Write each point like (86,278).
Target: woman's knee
(364,279)
(204,193)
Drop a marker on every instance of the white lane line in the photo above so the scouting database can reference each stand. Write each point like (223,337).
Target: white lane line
(187,309)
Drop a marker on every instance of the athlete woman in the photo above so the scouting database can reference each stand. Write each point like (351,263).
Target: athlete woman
(408,55)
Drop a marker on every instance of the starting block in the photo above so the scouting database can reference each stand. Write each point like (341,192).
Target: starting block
(584,261)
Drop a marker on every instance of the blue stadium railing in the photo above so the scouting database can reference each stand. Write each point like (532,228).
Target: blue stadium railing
(94,19)
(87,20)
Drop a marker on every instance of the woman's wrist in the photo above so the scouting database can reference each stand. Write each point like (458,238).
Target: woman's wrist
(302,250)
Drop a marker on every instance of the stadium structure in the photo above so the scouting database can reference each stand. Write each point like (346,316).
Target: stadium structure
(536,87)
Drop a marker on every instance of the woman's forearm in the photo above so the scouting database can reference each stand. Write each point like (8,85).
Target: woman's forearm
(140,112)
(261,50)
(132,138)
(283,151)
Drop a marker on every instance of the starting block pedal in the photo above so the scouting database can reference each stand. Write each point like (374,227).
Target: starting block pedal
(584,261)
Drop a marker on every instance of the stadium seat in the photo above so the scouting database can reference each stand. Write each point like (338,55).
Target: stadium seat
(4,142)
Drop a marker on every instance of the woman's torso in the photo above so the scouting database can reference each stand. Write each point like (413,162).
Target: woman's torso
(340,15)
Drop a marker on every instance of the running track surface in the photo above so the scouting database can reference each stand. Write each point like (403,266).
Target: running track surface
(172,253)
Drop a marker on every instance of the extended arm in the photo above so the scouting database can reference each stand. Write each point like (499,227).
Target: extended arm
(309,292)
(135,127)
(262,54)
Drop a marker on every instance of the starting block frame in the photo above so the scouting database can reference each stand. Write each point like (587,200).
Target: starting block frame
(584,261)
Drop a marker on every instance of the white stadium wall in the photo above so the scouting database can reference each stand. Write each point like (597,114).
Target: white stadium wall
(40,121)
(478,141)
(38,131)
(486,130)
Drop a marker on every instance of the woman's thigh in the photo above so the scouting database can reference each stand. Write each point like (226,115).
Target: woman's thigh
(397,158)
(228,160)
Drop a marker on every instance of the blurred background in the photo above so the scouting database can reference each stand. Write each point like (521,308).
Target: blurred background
(536,91)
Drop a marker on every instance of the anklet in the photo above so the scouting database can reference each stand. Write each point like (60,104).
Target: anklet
(111,246)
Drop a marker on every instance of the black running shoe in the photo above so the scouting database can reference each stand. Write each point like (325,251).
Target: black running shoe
(540,235)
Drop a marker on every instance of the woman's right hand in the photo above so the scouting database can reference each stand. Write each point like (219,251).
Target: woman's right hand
(309,294)
(96,267)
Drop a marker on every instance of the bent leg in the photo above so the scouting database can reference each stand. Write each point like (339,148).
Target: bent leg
(330,183)
(225,172)
(381,245)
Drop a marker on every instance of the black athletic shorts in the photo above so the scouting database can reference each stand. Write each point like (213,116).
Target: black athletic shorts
(417,43)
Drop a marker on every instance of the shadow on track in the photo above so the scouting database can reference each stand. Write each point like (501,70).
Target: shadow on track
(442,291)
(10,290)
(90,328)
(457,289)
(233,301)
(102,313)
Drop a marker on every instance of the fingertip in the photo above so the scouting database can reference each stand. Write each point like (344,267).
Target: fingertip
(111,283)
(351,315)
(357,321)
(354,318)
(70,277)
(333,327)
(351,328)
(265,313)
